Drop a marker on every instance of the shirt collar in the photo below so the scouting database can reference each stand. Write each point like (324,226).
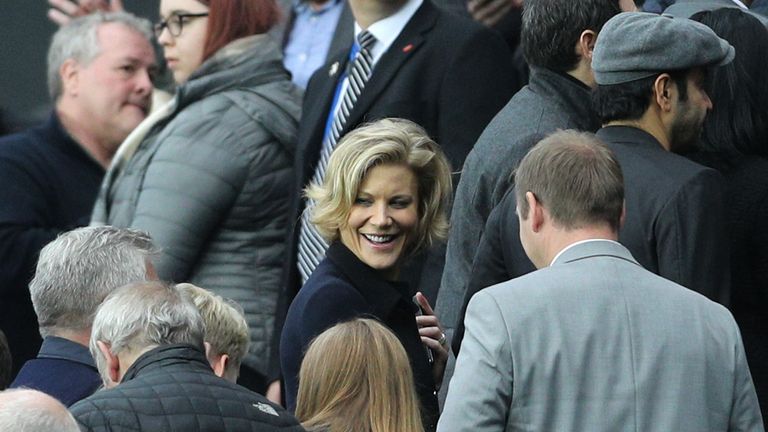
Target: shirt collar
(64,349)
(578,243)
(388,29)
(302,6)
(740,4)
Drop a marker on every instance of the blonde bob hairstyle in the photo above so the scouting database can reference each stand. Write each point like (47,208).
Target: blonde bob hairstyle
(386,141)
(355,377)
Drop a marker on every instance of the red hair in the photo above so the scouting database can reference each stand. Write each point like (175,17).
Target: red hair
(234,19)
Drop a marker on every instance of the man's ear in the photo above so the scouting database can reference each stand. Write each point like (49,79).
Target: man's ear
(623,216)
(111,363)
(69,72)
(535,211)
(586,44)
(663,92)
(218,362)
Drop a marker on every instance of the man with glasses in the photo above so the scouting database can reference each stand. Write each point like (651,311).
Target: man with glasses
(100,71)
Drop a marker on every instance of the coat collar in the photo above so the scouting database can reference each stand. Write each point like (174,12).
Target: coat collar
(380,293)
(64,349)
(572,95)
(629,135)
(167,356)
(244,62)
(592,249)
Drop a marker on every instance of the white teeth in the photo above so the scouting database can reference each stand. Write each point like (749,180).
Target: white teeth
(379,238)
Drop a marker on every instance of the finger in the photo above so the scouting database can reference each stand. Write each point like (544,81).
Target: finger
(431,332)
(493,12)
(427,321)
(424,303)
(474,5)
(436,348)
(116,6)
(65,6)
(58,17)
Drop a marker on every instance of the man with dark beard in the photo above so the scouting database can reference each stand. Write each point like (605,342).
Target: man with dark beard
(652,101)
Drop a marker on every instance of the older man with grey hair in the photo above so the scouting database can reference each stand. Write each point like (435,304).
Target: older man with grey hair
(74,275)
(100,71)
(148,343)
(23,410)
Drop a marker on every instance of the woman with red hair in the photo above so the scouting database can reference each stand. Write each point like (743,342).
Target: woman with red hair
(207,174)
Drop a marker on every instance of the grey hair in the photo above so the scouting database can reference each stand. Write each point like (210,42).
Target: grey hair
(142,316)
(80,268)
(24,410)
(78,40)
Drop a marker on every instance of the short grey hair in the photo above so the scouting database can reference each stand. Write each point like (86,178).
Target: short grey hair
(80,268)
(142,316)
(24,410)
(78,40)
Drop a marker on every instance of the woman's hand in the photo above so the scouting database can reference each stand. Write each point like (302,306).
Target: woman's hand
(433,337)
(63,11)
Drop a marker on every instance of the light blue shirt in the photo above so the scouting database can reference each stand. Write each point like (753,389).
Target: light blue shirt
(310,38)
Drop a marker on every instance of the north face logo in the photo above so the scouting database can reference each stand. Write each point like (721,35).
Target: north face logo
(266,409)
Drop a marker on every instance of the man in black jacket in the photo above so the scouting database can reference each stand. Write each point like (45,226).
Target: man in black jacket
(100,72)
(148,343)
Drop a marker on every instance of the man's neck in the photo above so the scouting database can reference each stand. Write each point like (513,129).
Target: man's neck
(367,12)
(649,123)
(81,337)
(564,238)
(583,72)
(83,135)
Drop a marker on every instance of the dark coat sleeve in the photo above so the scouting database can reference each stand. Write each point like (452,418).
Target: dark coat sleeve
(692,246)
(24,225)
(332,302)
(500,257)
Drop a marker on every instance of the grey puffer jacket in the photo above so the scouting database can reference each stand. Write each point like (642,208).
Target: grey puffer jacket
(212,182)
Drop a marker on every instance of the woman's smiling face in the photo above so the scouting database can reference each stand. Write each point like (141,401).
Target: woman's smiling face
(384,217)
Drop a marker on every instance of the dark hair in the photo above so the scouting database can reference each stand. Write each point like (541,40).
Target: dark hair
(576,177)
(630,100)
(233,19)
(551,29)
(738,122)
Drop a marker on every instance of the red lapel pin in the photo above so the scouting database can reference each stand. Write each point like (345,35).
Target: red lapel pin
(407,48)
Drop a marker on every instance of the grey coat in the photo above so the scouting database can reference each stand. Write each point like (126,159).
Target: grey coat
(596,343)
(211,183)
(551,101)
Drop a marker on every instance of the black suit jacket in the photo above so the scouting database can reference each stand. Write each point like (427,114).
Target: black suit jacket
(443,72)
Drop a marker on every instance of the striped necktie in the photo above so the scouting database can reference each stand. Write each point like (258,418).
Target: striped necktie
(312,246)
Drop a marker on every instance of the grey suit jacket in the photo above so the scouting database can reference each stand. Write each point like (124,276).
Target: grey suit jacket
(596,343)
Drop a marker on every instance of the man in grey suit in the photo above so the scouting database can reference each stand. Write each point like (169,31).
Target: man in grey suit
(592,341)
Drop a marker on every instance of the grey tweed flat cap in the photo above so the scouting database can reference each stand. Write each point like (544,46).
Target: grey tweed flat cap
(636,45)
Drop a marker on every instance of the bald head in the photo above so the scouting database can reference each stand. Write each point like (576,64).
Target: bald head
(24,410)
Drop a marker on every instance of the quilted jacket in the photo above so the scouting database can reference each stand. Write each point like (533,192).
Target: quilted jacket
(172,388)
(211,182)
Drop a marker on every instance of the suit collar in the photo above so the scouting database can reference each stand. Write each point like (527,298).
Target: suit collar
(591,249)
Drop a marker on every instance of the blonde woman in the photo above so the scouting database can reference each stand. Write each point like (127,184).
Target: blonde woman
(356,377)
(383,199)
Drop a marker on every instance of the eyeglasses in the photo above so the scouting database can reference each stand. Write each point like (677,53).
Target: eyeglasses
(175,23)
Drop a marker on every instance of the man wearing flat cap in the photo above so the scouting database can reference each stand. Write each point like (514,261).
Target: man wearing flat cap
(651,72)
